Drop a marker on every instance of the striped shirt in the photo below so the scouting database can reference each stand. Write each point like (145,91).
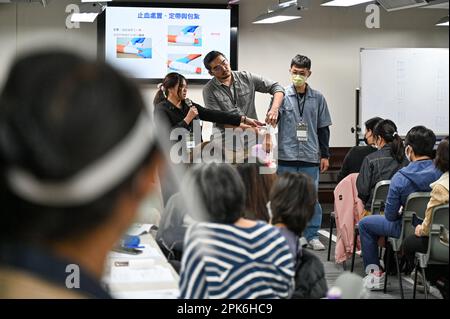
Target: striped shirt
(230,262)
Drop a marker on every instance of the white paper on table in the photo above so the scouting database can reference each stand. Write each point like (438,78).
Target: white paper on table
(134,263)
(156,273)
(140,229)
(148,294)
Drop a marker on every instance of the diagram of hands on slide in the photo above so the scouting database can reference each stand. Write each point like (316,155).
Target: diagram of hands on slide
(134,48)
(185,64)
(185,36)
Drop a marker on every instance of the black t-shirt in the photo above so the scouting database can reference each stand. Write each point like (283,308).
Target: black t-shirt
(354,159)
(174,116)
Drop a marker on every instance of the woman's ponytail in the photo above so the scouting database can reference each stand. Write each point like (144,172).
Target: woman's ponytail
(397,148)
(387,130)
(170,81)
(161,95)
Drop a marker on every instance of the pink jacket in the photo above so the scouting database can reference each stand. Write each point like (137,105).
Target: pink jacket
(348,209)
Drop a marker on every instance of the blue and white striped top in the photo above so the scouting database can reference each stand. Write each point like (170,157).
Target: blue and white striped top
(230,262)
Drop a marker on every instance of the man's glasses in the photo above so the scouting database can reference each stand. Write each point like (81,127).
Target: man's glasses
(221,66)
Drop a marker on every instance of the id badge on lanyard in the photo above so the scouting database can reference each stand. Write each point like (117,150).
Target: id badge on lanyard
(302,132)
(190,141)
(302,127)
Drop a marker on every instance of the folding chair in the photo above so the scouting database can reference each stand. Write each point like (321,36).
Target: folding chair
(330,240)
(379,198)
(438,253)
(416,204)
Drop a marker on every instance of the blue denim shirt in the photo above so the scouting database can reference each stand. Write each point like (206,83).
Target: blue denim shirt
(316,115)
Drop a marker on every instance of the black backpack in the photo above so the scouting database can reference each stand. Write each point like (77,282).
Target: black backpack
(310,282)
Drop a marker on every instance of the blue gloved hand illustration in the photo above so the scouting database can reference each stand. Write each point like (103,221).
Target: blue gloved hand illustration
(137,40)
(145,53)
(190,29)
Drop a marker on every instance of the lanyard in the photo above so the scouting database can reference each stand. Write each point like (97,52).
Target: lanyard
(233,100)
(301,108)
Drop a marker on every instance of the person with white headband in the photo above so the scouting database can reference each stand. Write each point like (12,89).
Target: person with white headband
(77,156)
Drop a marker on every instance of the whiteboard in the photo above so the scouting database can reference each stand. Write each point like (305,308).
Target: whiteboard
(407,86)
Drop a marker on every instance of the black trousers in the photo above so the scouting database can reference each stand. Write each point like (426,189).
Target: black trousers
(413,244)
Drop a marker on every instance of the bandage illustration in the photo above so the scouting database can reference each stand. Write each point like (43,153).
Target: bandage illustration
(139,47)
(182,65)
(190,35)
(180,39)
(127,49)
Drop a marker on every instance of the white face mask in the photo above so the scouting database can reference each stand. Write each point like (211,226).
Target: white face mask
(376,145)
(406,153)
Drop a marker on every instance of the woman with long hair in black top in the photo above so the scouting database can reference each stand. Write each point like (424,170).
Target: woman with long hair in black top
(382,164)
(172,105)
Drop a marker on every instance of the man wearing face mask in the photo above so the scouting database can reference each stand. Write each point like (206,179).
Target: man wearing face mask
(355,157)
(304,136)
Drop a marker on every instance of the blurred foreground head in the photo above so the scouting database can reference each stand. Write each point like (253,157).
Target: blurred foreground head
(76,150)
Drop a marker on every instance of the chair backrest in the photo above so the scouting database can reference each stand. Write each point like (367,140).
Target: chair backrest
(379,196)
(437,250)
(172,215)
(416,204)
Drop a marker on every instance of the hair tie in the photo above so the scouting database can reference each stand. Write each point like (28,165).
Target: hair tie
(162,89)
(395,134)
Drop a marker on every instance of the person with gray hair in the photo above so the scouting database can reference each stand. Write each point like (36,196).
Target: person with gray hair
(227,256)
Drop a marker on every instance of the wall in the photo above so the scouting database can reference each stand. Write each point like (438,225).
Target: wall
(331,37)
(28,26)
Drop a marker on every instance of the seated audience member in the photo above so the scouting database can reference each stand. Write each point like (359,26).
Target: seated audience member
(77,157)
(292,202)
(419,242)
(355,157)
(230,257)
(175,218)
(257,189)
(382,164)
(173,226)
(416,177)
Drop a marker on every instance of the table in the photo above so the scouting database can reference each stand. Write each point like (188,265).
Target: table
(145,276)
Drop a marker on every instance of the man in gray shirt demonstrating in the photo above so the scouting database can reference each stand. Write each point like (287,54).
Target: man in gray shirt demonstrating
(235,91)
(304,135)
